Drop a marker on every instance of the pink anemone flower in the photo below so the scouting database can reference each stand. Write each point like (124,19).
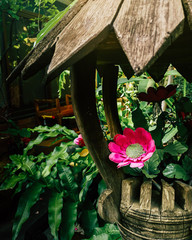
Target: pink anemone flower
(132,148)
(79,141)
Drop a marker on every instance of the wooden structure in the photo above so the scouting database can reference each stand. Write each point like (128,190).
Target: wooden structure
(150,214)
(138,35)
(51,108)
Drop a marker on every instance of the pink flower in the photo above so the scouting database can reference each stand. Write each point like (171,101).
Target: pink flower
(79,141)
(133,147)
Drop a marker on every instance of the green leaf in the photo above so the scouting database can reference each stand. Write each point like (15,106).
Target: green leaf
(101,187)
(169,134)
(52,23)
(69,217)
(150,168)
(173,73)
(145,84)
(27,200)
(68,181)
(158,133)
(132,171)
(175,148)
(87,180)
(11,181)
(175,171)
(53,158)
(138,119)
(89,221)
(187,165)
(54,212)
(108,232)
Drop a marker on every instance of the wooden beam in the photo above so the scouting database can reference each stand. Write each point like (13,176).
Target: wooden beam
(110,77)
(83,34)
(84,106)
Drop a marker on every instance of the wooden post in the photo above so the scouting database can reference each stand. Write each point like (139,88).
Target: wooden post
(110,77)
(84,106)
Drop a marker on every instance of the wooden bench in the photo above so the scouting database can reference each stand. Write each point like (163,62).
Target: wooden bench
(51,108)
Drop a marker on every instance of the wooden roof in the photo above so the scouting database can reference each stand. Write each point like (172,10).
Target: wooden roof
(139,35)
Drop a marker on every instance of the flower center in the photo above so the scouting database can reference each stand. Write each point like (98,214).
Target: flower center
(134,150)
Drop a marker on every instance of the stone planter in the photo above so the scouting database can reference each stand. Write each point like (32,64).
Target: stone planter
(146,213)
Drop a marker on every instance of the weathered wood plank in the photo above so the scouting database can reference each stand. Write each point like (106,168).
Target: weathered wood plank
(87,29)
(187,4)
(168,197)
(107,210)
(110,77)
(130,192)
(183,195)
(146,195)
(146,28)
(84,106)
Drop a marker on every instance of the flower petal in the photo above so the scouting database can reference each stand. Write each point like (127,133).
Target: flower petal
(123,164)
(137,164)
(122,141)
(113,147)
(117,158)
(130,134)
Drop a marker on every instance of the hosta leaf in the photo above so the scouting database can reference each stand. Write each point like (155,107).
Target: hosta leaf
(175,148)
(54,212)
(69,217)
(27,200)
(175,171)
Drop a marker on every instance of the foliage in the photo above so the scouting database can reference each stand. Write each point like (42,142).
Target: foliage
(170,128)
(65,176)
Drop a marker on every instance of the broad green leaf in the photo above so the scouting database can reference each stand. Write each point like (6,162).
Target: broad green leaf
(11,181)
(132,171)
(158,133)
(89,221)
(37,141)
(52,23)
(150,168)
(27,200)
(108,232)
(175,148)
(68,181)
(69,217)
(187,165)
(87,180)
(101,187)
(54,212)
(138,119)
(169,134)
(145,84)
(175,171)
(173,73)
(54,157)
